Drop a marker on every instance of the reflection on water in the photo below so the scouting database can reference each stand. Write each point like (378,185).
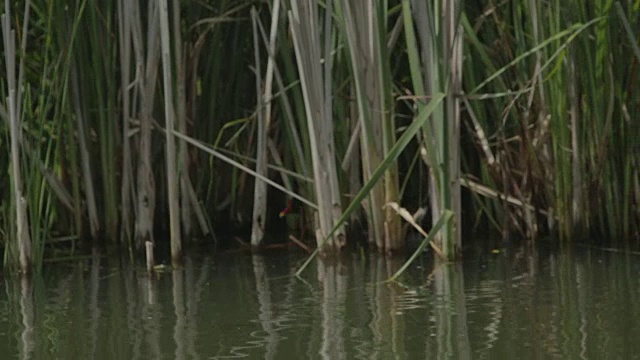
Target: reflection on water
(580,304)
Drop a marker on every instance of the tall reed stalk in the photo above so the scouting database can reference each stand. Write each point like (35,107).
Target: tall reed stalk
(170,150)
(315,65)
(259,214)
(22,231)
(366,37)
(126,18)
(434,44)
(138,178)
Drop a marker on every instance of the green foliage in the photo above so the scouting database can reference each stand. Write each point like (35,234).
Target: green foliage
(548,136)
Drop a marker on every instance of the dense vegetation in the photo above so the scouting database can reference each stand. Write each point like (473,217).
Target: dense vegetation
(131,121)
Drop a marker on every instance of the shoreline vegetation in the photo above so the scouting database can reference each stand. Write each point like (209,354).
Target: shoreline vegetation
(151,124)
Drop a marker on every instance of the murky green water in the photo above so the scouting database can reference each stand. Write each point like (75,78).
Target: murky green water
(512,305)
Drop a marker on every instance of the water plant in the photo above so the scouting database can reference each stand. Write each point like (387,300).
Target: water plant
(519,116)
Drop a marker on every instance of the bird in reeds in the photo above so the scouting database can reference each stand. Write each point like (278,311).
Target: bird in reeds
(287,209)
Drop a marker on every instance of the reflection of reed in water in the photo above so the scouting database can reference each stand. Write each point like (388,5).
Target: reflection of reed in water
(450,311)
(27,311)
(333,307)
(151,315)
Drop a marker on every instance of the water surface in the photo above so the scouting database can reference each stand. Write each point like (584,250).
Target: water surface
(579,304)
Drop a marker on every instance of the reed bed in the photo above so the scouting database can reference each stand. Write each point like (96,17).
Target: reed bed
(519,117)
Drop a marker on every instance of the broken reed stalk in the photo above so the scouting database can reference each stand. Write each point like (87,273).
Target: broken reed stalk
(150,258)
(428,240)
